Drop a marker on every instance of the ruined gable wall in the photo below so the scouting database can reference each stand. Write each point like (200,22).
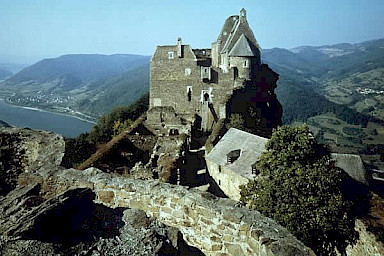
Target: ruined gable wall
(215,226)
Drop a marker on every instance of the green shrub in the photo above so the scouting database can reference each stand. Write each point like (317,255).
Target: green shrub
(301,189)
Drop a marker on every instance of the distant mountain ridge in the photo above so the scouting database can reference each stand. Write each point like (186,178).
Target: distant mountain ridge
(118,90)
(311,77)
(13,67)
(350,75)
(4,124)
(4,73)
(79,83)
(77,69)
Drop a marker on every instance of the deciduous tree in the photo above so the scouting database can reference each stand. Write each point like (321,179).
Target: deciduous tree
(302,190)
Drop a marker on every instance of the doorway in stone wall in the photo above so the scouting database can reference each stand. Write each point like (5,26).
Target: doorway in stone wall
(235,73)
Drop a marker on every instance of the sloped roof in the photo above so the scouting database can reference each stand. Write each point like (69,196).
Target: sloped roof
(353,165)
(251,146)
(243,48)
(234,29)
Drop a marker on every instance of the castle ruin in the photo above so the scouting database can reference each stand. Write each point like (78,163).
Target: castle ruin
(194,88)
(193,94)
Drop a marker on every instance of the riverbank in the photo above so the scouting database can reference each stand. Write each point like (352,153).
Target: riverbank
(40,119)
(54,112)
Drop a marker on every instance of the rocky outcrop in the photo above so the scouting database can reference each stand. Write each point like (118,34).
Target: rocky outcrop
(72,224)
(214,225)
(24,150)
(367,244)
(48,210)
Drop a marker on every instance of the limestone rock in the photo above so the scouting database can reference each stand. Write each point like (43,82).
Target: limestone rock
(72,224)
(26,151)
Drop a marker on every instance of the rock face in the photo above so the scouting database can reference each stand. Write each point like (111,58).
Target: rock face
(47,210)
(23,150)
(87,209)
(367,244)
(72,224)
(215,226)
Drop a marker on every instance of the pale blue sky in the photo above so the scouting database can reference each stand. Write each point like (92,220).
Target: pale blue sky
(35,29)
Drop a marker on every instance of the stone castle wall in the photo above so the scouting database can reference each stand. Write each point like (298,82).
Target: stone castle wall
(228,181)
(214,225)
(171,78)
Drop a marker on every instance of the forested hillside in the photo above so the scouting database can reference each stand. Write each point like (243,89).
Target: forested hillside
(75,70)
(121,90)
(84,85)
(340,79)
(338,90)
(4,73)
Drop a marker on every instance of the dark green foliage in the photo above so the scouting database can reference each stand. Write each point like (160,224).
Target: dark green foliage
(103,131)
(373,132)
(301,189)
(236,121)
(372,149)
(79,149)
(300,102)
(353,131)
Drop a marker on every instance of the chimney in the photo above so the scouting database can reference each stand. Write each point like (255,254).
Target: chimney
(179,50)
(243,15)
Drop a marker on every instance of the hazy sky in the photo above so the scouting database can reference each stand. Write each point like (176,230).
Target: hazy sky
(35,29)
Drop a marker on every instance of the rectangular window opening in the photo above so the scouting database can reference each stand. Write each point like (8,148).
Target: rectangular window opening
(189,94)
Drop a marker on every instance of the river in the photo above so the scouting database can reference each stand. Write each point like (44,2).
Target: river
(35,119)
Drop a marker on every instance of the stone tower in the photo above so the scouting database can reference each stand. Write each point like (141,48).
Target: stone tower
(197,87)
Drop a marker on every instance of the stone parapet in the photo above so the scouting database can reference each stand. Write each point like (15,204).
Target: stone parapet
(214,225)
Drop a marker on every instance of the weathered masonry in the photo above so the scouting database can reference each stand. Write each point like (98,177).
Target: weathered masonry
(199,86)
(213,225)
(231,162)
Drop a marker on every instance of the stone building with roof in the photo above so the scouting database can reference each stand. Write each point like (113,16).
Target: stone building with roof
(197,87)
(231,162)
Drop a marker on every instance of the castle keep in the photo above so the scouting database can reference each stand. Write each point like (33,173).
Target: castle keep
(197,87)
(194,94)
